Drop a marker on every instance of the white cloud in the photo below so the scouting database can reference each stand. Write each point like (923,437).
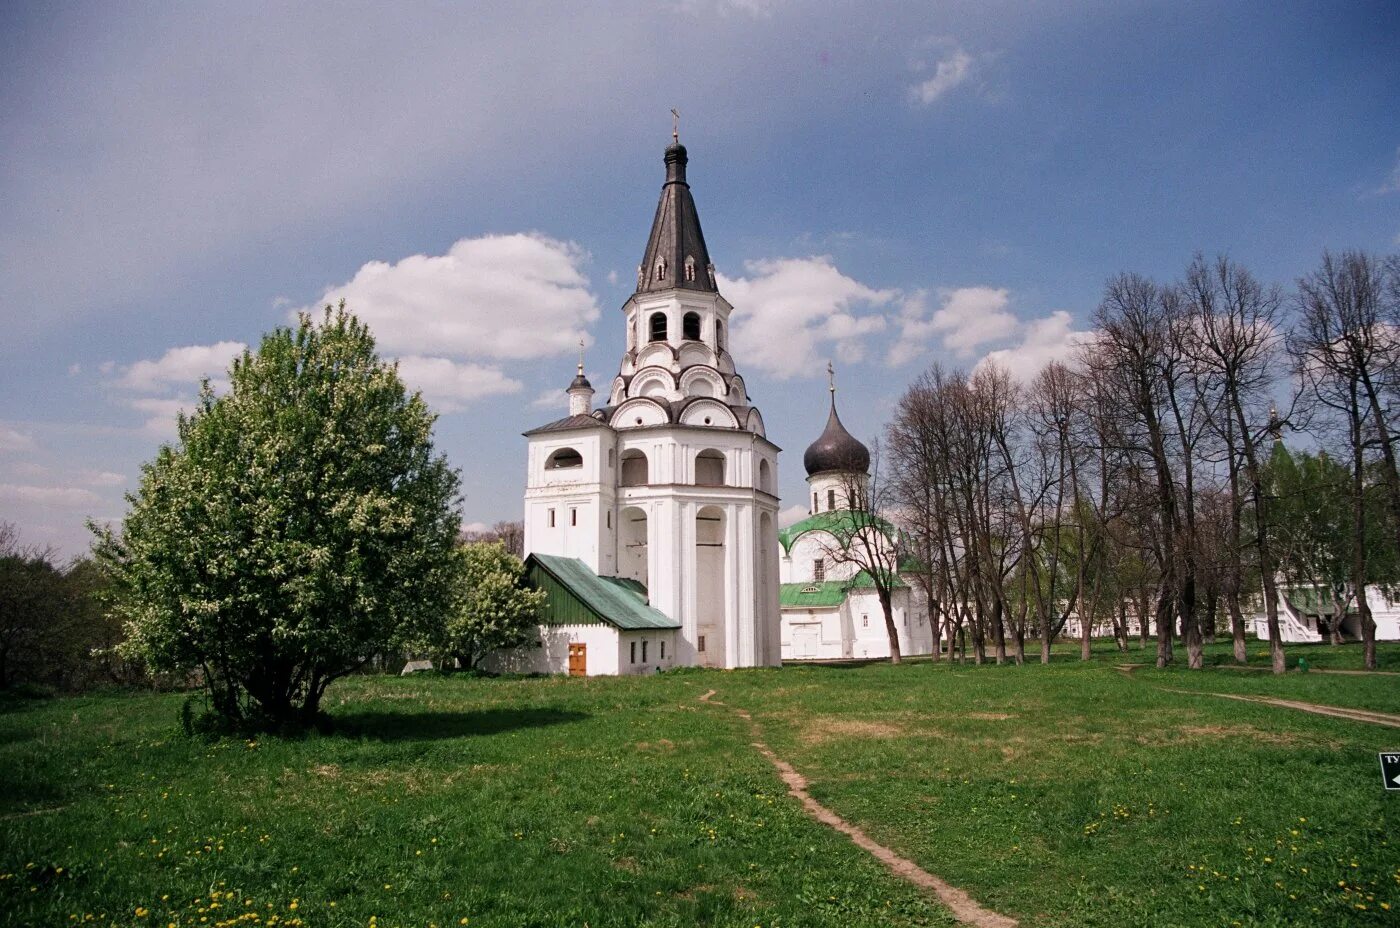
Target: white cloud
(74,497)
(552,398)
(160,412)
(755,9)
(11,440)
(950,71)
(1392,183)
(791,515)
(498,296)
(181,367)
(968,318)
(104,478)
(448,385)
(789,308)
(1051,338)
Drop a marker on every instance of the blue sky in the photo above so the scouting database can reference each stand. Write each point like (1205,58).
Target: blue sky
(884,184)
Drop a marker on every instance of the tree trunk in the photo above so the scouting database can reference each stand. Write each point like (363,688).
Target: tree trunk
(887,606)
(1120,627)
(1389,472)
(1190,625)
(998,633)
(1166,609)
(1232,603)
(1143,623)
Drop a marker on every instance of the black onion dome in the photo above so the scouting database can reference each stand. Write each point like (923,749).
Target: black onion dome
(580,381)
(836,450)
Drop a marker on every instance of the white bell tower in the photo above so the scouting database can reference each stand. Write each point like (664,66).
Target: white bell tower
(673,482)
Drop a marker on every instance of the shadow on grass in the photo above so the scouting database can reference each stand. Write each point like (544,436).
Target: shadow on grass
(432,726)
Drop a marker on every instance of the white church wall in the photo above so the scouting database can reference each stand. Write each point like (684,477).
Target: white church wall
(641,652)
(814,634)
(552,656)
(810,548)
(639,520)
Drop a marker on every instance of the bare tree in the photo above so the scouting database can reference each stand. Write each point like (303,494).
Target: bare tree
(1344,351)
(1132,352)
(511,534)
(864,537)
(1237,341)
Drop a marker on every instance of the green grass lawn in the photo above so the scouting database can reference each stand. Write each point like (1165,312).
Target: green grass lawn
(1064,795)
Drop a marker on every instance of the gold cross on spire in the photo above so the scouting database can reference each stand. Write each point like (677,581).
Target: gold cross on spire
(675,125)
(831,378)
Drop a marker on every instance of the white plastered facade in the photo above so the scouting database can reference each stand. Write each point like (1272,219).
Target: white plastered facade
(672,484)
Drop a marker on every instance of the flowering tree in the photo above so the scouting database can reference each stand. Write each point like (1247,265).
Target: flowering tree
(300,524)
(492,611)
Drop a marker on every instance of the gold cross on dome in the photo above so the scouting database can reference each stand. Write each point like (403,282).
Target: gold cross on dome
(580,356)
(676,125)
(830,377)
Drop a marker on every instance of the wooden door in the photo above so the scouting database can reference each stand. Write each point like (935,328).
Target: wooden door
(578,660)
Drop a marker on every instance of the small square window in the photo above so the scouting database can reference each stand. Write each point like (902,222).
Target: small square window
(819,569)
(865,621)
(701,646)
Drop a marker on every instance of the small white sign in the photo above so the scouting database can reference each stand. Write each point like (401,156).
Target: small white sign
(1390,769)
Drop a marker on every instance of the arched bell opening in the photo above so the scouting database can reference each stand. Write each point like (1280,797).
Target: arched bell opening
(633,545)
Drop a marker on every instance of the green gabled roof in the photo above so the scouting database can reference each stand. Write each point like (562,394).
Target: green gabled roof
(863,581)
(841,522)
(825,593)
(1312,600)
(618,602)
(822,593)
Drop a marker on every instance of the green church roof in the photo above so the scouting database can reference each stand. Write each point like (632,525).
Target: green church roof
(841,523)
(817,594)
(825,593)
(578,595)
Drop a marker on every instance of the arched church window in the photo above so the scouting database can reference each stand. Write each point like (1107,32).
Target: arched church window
(635,470)
(690,271)
(690,326)
(658,327)
(563,458)
(709,468)
(661,269)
